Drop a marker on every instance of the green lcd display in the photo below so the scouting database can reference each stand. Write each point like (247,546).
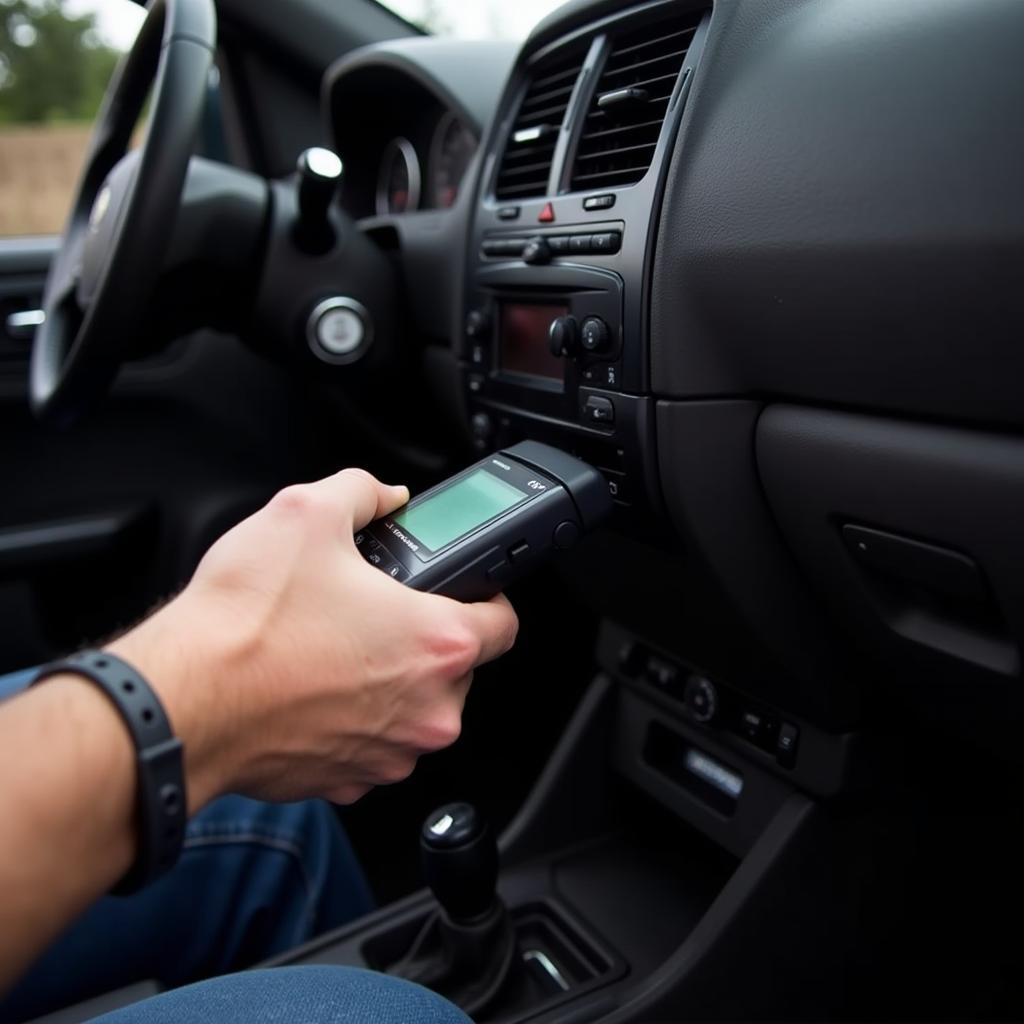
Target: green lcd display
(459,509)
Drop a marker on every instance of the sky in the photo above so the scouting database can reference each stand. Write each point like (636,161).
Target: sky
(119,20)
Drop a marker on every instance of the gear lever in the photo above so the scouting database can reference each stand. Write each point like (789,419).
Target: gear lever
(466,950)
(460,861)
(319,176)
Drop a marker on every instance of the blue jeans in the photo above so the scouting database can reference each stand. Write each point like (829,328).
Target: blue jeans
(254,880)
(294,995)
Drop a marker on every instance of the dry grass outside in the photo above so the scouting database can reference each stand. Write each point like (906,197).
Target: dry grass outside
(39,167)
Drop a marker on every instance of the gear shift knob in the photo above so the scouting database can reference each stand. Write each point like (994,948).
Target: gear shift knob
(319,176)
(460,861)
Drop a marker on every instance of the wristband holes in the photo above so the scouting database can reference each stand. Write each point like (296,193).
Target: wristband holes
(147,715)
(101,663)
(128,686)
(171,797)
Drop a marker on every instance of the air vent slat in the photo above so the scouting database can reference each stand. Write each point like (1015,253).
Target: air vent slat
(621,51)
(526,165)
(619,139)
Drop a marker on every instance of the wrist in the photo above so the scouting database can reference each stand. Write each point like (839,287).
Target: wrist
(170,655)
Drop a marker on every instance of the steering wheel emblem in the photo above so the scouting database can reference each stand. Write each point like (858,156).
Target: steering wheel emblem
(99,208)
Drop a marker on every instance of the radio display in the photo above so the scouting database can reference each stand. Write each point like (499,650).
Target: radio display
(523,340)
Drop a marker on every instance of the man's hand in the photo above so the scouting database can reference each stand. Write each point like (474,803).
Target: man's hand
(291,668)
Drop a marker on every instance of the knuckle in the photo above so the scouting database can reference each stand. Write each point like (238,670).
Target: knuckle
(397,770)
(295,500)
(457,647)
(442,729)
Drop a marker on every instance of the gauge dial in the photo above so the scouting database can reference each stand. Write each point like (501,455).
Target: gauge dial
(451,150)
(398,180)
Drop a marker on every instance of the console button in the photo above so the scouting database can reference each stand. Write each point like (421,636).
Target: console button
(599,410)
(566,534)
(547,215)
(564,336)
(607,241)
(603,202)
(618,488)
(594,334)
(579,244)
(786,744)
(701,699)
(559,244)
(475,383)
(477,323)
(537,251)
(509,213)
(481,426)
(662,673)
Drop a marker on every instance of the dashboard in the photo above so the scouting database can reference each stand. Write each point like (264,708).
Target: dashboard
(751,272)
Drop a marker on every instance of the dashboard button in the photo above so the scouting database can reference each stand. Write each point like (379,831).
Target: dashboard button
(559,244)
(477,323)
(603,202)
(618,488)
(606,241)
(786,744)
(594,334)
(475,383)
(599,410)
(547,215)
(701,699)
(508,213)
(579,244)
(564,336)
(537,251)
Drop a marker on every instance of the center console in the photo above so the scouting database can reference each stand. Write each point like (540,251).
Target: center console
(554,339)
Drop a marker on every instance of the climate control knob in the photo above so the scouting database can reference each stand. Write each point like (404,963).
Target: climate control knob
(564,336)
(594,335)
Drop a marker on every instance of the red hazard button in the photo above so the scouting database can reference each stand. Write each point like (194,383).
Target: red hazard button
(547,215)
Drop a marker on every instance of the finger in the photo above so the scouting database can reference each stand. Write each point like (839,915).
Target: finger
(361,497)
(495,623)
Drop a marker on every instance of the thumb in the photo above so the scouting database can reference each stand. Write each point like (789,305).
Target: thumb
(360,497)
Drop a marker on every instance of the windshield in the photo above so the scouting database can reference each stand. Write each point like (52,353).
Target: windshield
(474,19)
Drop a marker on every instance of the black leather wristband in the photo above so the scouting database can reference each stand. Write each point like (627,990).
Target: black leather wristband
(161,804)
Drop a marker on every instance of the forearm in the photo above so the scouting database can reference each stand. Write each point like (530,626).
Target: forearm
(67,792)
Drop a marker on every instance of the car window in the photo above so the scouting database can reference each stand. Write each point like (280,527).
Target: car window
(481,19)
(56,57)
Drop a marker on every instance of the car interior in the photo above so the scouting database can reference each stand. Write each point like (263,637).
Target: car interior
(755,754)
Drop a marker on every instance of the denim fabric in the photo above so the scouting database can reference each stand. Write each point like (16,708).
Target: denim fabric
(294,995)
(254,880)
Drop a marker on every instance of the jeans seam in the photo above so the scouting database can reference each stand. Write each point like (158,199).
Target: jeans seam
(241,836)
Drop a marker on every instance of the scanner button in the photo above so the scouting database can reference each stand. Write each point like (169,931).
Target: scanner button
(380,558)
(500,572)
(518,551)
(397,572)
(566,534)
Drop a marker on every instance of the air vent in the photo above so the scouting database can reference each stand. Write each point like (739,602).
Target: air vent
(530,148)
(629,105)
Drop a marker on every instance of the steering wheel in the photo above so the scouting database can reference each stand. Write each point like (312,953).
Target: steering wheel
(115,240)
